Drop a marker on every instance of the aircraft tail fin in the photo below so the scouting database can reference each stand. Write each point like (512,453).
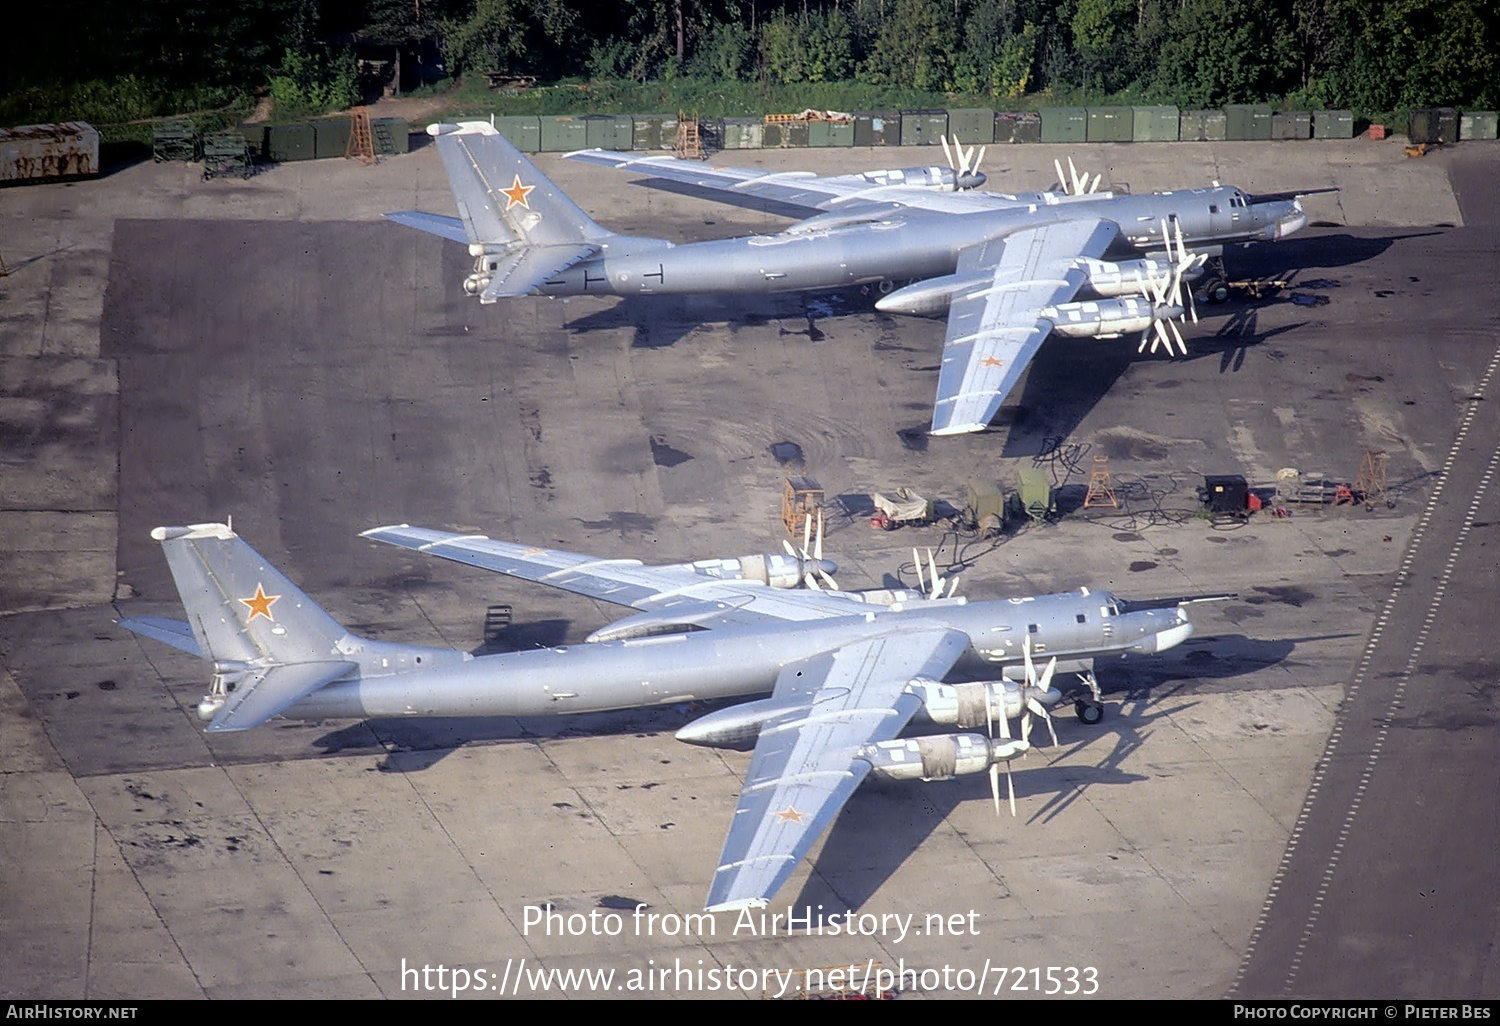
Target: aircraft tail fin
(271,645)
(503,200)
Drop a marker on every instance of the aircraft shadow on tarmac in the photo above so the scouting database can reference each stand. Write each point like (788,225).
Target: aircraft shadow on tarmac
(662,321)
(887,822)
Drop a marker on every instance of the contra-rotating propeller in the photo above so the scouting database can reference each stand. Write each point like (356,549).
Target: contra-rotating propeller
(1080,183)
(1003,750)
(966,173)
(810,559)
(933,584)
(1033,688)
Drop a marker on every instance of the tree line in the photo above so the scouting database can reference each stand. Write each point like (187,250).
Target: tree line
(1369,55)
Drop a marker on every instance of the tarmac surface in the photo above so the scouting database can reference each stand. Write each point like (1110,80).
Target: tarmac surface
(1299,801)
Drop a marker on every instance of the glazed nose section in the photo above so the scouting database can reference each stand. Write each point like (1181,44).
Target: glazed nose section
(1294,220)
(1175,634)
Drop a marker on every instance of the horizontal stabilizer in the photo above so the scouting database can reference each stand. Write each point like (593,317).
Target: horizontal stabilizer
(169,632)
(434,224)
(523,269)
(262,694)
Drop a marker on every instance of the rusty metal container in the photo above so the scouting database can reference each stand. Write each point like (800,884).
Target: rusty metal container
(33,153)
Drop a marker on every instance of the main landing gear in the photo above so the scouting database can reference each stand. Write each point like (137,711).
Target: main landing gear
(1089,710)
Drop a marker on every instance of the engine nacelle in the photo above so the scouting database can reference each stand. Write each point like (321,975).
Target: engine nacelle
(773,569)
(978,704)
(1129,277)
(940,757)
(737,726)
(1108,318)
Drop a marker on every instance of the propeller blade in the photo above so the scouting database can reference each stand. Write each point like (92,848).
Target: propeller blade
(1046,681)
(789,550)
(818,540)
(978,159)
(1078,183)
(1010,784)
(1060,179)
(1097,179)
(995,784)
(947,153)
(917,559)
(806,533)
(1030,667)
(828,580)
(1032,705)
(937,582)
(1181,345)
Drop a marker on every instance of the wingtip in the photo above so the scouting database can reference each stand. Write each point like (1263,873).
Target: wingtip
(386,527)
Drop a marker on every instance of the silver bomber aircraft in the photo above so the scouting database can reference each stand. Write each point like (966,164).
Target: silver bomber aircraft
(1009,270)
(844,672)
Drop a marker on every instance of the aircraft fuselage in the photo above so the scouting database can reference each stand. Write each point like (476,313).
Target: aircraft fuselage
(712,664)
(905,245)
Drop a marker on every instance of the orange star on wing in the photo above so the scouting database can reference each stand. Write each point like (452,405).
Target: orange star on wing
(260,604)
(516,194)
(790,815)
(990,361)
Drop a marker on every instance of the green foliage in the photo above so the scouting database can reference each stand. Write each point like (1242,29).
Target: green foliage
(307,85)
(913,46)
(112,104)
(727,52)
(1371,55)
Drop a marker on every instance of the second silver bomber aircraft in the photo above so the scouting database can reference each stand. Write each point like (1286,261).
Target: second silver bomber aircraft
(845,672)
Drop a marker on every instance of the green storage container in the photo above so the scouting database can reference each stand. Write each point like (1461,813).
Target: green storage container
(391,136)
(1433,125)
(647,132)
(563,134)
(1291,124)
(330,137)
(175,139)
(831,133)
(1018,127)
(1247,121)
(255,138)
(1155,124)
(291,142)
(1064,124)
(1333,124)
(972,125)
(1478,124)
(772,134)
(877,128)
(609,131)
(524,133)
(923,127)
(1194,126)
(710,134)
(796,133)
(743,133)
(1110,124)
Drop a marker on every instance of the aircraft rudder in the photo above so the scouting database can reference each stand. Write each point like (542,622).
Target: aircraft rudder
(239,606)
(502,197)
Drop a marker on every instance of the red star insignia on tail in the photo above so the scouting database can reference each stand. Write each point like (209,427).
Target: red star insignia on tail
(260,604)
(516,194)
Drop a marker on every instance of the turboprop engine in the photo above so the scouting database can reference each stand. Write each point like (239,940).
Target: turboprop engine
(938,757)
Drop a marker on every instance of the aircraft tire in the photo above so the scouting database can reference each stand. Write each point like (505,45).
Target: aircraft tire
(1088,712)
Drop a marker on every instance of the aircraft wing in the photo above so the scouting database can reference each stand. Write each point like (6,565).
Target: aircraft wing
(798,188)
(807,763)
(709,593)
(995,329)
